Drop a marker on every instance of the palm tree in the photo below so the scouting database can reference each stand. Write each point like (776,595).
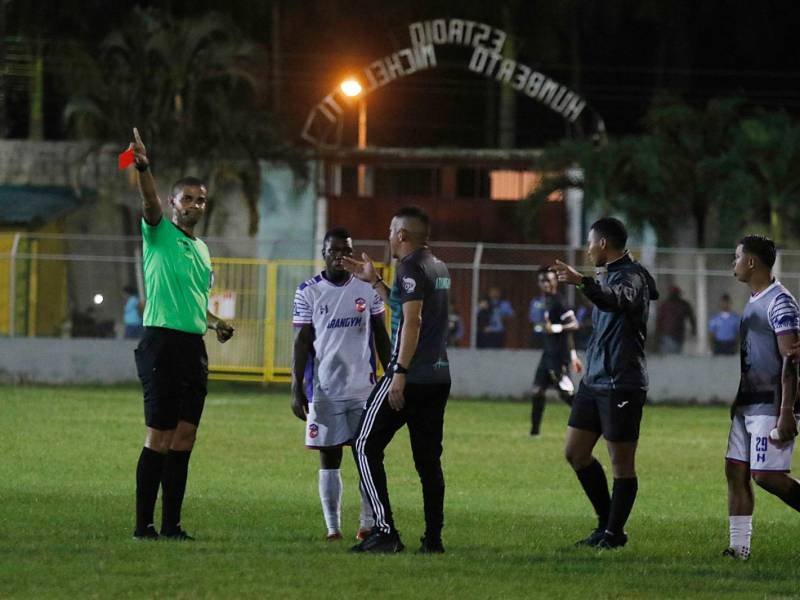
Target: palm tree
(768,145)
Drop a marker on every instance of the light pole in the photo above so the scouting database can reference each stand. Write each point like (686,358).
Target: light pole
(352,89)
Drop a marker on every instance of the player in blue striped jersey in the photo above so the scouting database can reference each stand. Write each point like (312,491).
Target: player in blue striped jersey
(764,413)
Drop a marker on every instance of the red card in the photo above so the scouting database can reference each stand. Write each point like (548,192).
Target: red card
(126,159)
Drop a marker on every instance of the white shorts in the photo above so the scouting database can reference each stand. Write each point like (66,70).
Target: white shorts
(333,423)
(749,443)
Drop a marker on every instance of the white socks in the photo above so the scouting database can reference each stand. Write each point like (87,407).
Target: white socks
(330,494)
(741,529)
(366,520)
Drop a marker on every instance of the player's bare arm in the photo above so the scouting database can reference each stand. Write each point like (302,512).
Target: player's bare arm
(151,204)
(303,340)
(383,345)
(365,270)
(409,338)
(577,365)
(223,329)
(787,426)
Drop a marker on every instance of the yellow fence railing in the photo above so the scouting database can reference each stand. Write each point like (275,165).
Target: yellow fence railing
(256,296)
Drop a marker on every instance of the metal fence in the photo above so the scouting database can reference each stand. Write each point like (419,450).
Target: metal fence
(50,284)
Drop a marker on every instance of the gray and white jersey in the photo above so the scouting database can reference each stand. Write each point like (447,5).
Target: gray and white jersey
(770,313)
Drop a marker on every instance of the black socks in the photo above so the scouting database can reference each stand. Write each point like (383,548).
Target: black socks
(595,485)
(622,500)
(148,478)
(537,410)
(173,482)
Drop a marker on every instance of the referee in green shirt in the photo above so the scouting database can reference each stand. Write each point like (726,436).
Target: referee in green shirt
(171,358)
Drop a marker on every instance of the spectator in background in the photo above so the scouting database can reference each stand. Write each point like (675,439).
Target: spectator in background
(671,322)
(132,313)
(724,328)
(455,328)
(483,338)
(501,311)
(536,310)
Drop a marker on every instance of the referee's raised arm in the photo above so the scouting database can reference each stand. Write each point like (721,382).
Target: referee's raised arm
(151,204)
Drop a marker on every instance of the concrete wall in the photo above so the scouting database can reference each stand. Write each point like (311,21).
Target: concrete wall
(494,373)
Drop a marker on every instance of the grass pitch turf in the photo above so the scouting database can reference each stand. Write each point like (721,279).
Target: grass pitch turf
(513,509)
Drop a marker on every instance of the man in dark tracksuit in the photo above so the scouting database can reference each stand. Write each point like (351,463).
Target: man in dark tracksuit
(613,390)
(416,386)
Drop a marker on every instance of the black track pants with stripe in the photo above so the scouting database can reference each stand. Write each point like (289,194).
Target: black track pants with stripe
(424,414)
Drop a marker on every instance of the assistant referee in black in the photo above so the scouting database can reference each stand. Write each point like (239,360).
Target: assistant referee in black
(416,387)
(171,357)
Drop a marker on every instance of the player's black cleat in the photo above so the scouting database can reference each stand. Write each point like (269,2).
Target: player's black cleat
(738,553)
(593,538)
(178,535)
(430,546)
(379,542)
(149,533)
(610,541)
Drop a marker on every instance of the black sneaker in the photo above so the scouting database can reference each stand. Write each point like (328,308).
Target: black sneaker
(149,533)
(610,541)
(593,539)
(430,546)
(379,542)
(178,535)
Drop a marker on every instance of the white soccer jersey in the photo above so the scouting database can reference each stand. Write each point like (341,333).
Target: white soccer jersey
(343,362)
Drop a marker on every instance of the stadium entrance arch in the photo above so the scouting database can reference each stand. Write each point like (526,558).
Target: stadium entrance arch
(485,46)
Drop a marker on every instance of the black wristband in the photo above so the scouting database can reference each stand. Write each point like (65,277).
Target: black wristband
(142,167)
(398,368)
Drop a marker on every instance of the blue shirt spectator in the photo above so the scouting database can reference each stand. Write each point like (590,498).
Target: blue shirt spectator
(132,314)
(724,328)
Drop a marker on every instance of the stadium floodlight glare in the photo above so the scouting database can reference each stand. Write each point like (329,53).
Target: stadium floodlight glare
(351,87)
(98,298)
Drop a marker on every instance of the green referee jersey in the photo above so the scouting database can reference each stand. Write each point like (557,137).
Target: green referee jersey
(177,278)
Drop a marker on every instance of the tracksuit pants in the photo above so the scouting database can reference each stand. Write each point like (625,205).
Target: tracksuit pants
(424,414)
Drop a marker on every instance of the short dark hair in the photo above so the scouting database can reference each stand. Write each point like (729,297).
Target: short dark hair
(725,298)
(760,246)
(613,230)
(339,233)
(184,181)
(414,212)
(544,270)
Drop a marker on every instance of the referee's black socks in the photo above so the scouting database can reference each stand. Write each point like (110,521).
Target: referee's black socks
(622,499)
(173,484)
(148,478)
(594,482)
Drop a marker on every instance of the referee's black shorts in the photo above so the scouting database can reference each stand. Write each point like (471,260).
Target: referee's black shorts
(173,368)
(616,414)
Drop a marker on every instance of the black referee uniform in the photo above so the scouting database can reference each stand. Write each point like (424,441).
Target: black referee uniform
(419,276)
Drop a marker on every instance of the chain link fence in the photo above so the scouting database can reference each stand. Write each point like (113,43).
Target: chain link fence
(55,285)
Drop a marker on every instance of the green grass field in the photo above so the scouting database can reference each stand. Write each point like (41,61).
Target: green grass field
(513,509)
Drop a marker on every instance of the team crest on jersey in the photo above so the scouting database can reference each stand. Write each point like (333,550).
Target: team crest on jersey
(361,305)
(313,430)
(409,285)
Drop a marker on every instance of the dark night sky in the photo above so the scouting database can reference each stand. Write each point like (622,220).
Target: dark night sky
(629,51)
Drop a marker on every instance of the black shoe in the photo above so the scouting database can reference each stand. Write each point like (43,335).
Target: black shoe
(430,546)
(149,533)
(176,534)
(611,541)
(593,539)
(379,542)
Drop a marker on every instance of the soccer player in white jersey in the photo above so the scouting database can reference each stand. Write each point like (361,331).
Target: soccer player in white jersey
(764,414)
(336,318)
